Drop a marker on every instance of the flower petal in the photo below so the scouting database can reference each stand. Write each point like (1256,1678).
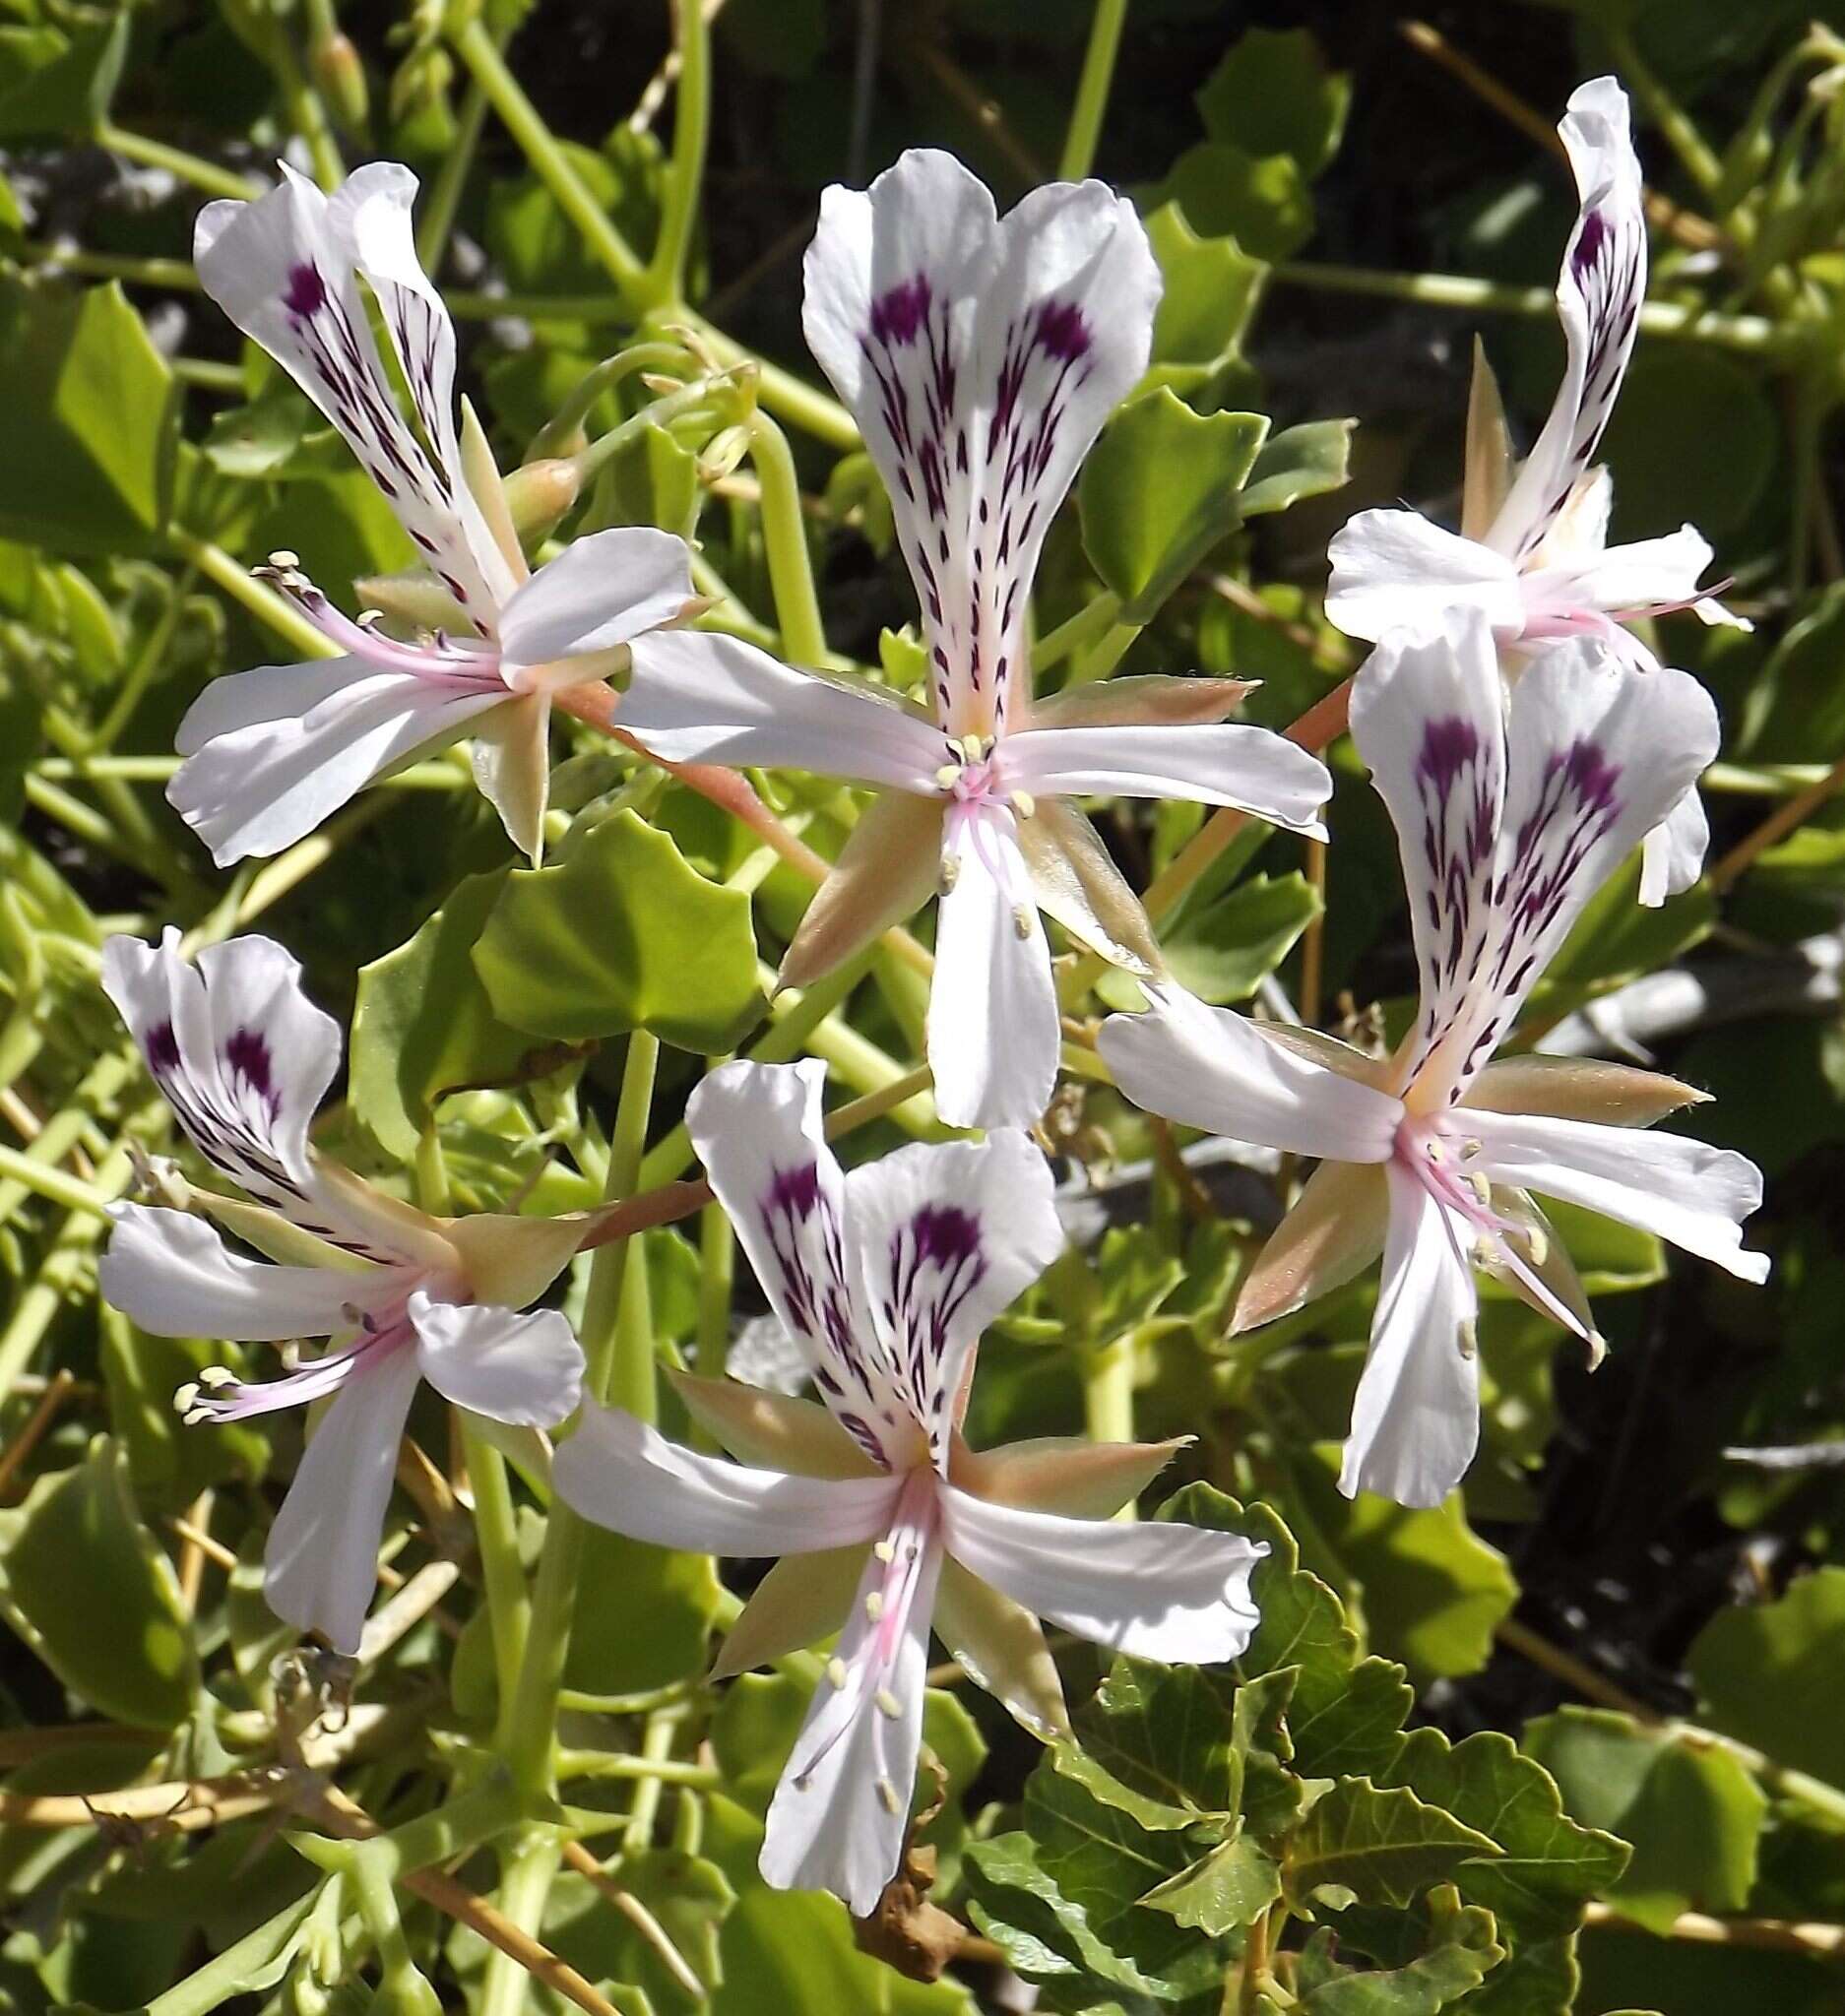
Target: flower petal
(1001,1645)
(242,1055)
(948,1235)
(757,1129)
(772,1430)
(524,1370)
(1334,1230)
(369,215)
(994,1029)
(1398,571)
(1159,1590)
(1416,1416)
(603,590)
(1598,299)
(839,1816)
(1686,1191)
(884,874)
(1673,852)
(1428,720)
(1214,764)
(801,1599)
(981,359)
(297,741)
(1208,1068)
(321,1563)
(170,1273)
(621,1474)
(698,696)
(281,269)
(1638,576)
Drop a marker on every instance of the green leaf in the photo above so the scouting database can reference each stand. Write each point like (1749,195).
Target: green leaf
(1615,938)
(657,1632)
(1260,201)
(1769,1673)
(1463,1950)
(1159,491)
(83,1582)
(94,413)
(1305,461)
(1692,1813)
(688,1897)
(1272,93)
(60,84)
(1225,952)
(1064,1895)
(1206,303)
(650,479)
(625,934)
(1667,473)
(1537,1980)
(423,1024)
(1433,1589)
(169,1464)
(1548,1866)
(261,438)
(1795,709)
(1232,1886)
(1375,1846)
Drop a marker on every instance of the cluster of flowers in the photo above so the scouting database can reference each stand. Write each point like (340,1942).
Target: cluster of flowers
(1522,738)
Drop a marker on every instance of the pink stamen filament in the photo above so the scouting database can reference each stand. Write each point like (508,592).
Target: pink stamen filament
(442,661)
(238,1399)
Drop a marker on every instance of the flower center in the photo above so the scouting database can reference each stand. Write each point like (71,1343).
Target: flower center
(974,778)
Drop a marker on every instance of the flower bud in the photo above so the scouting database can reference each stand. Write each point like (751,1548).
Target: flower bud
(340,73)
(539,494)
(723,452)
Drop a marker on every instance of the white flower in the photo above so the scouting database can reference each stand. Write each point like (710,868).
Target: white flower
(1533,553)
(244,1058)
(888,1522)
(981,359)
(270,753)
(1510,811)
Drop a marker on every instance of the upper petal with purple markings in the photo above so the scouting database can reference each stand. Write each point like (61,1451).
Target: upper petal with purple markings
(981,359)
(948,1237)
(1598,299)
(285,269)
(757,1129)
(242,1055)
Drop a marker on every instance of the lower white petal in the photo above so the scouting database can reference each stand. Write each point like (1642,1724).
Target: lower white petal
(172,1273)
(1686,1191)
(1416,1416)
(603,590)
(1672,857)
(1209,1068)
(1647,572)
(993,1026)
(839,1815)
(623,1474)
(525,1371)
(1213,763)
(258,788)
(1157,1591)
(321,1563)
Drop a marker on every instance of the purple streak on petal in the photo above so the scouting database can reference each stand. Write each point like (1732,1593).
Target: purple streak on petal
(1589,242)
(1061,330)
(898,313)
(306,292)
(163,1051)
(247,1055)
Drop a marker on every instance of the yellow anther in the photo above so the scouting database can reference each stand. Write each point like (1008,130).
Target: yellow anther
(885,1550)
(948,776)
(836,1671)
(284,558)
(1021,921)
(888,1704)
(1024,804)
(1537,1245)
(1481,1189)
(950,873)
(1598,1349)
(1469,1338)
(888,1794)
(874,1606)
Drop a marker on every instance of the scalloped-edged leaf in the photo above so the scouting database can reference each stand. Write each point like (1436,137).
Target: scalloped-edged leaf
(623,934)
(1769,1674)
(1272,93)
(1463,1950)
(1548,1867)
(1365,1843)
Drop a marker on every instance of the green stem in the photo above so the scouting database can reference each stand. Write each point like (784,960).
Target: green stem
(44,1179)
(443,201)
(691,121)
(1695,155)
(562,433)
(1108,652)
(535,140)
(229,1974)
(1109,1394)
(187,167)
(785,539)
(141,673)
(642,1769)
(1091,90)
(717,1270)
(796,402)
(527,1871)
(529,1743)
(656,1754)
(1756,333)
